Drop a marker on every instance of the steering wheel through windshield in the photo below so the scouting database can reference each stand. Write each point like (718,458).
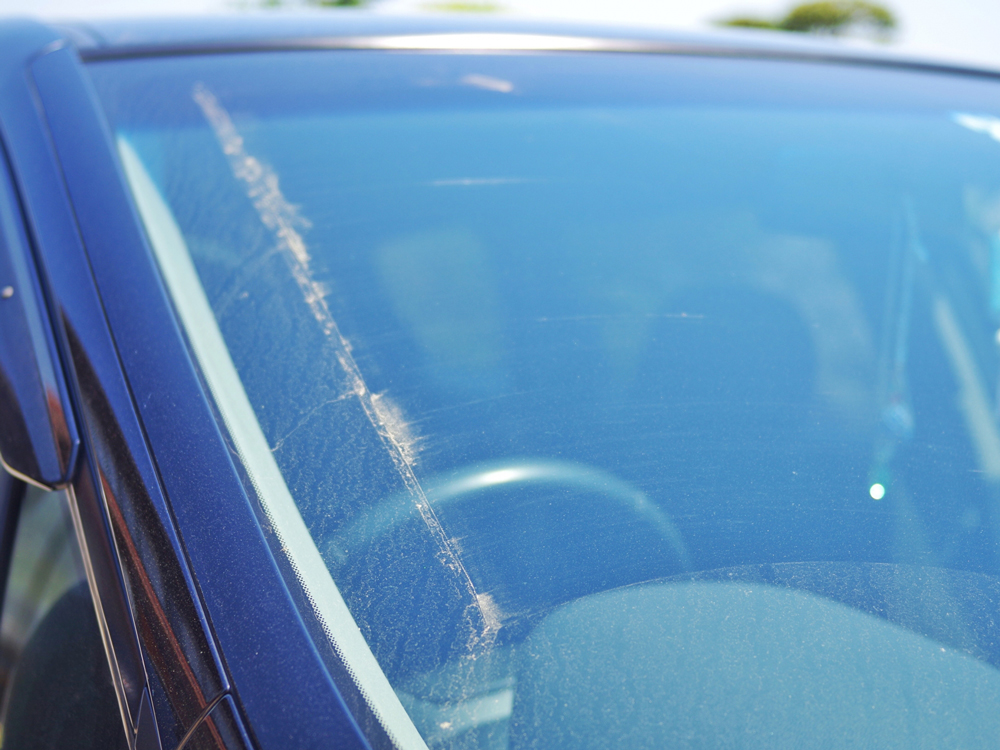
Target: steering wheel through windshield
(539,531)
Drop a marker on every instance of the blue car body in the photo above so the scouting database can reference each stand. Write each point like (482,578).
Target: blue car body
(205,641)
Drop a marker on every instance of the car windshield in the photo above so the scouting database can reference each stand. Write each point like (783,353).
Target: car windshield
(601,399)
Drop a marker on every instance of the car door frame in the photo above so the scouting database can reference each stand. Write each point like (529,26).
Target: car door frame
(148,433)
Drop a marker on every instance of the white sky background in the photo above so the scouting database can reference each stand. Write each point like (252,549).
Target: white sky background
(960,30)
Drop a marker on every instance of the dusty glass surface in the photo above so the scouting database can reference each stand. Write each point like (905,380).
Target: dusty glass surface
(582,373)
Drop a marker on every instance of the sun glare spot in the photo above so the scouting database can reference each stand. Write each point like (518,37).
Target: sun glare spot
(500,476)
(877,491)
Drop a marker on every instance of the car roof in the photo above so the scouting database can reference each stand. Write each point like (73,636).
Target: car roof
(346,29)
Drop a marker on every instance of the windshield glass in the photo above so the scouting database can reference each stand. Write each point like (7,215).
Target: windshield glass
(599,400)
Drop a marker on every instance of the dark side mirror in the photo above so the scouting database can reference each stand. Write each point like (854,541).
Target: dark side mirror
(38,439)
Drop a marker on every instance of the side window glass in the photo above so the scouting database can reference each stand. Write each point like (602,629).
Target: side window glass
(54,675)
(45,564)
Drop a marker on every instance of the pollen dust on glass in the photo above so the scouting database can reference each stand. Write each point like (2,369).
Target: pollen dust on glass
(285,222)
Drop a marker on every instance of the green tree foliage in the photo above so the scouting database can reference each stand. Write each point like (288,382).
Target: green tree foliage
(827,17)
(464,6)
(749,22)
(254,4)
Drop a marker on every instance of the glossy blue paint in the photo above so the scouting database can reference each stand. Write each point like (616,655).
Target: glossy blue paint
(51,225)
(163,590)
(219,729)
(286,692)
(41,442)
(21,40)
(120,505)
(150,429)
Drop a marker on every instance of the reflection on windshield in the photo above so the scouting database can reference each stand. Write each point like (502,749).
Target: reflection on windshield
(537,395)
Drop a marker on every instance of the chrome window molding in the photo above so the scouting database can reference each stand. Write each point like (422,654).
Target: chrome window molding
(102,622)
(514,43)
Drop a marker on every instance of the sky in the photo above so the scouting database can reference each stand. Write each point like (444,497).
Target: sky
(957,30)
